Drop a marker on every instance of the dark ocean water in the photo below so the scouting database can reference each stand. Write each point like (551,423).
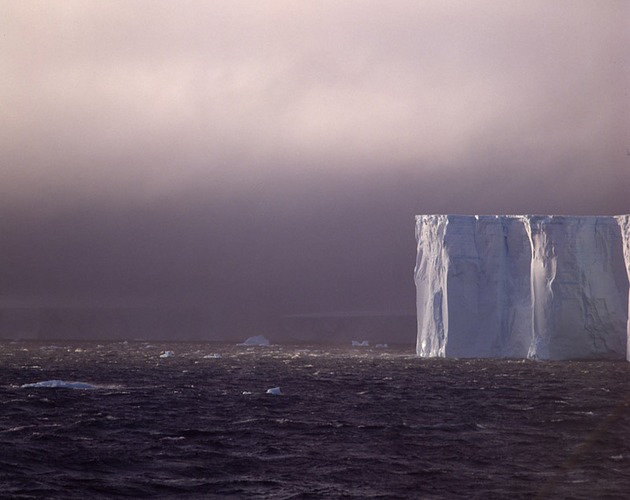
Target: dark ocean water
(350,423)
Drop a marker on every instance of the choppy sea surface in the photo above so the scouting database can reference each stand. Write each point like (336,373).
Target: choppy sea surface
(87,420)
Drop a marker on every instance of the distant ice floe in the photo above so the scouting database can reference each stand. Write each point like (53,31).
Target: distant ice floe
(275,391)
(214,355)
(258,340)
(381,346)
(167,354)
(360,343)
(59,384)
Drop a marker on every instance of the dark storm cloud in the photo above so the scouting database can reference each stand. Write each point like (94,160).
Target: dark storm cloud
(268,157)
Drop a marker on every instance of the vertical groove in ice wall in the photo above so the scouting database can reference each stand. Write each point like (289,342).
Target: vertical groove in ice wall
(543,287)
(542,274)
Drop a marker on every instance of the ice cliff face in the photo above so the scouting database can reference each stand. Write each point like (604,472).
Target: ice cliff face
(624,224)
(542,287)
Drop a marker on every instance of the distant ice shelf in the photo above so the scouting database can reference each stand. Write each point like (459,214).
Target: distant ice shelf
(523,286)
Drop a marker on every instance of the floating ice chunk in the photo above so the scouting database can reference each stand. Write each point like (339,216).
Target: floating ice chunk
(167,354)
(214,355)
(275,391)
(256,340)
(381,346)
(60,384)
(360,343)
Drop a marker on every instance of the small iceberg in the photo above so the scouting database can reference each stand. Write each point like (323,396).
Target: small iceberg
(257,340)
(360,343)
(214,355)
(381,346)
(167,354)
(275,391)
(59,384)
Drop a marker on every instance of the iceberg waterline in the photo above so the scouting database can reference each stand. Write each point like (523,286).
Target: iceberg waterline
(521,286)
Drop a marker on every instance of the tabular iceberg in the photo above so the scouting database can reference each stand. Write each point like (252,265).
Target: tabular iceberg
(520,286)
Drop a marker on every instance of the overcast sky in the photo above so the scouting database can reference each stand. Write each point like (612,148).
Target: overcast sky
(268,157)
